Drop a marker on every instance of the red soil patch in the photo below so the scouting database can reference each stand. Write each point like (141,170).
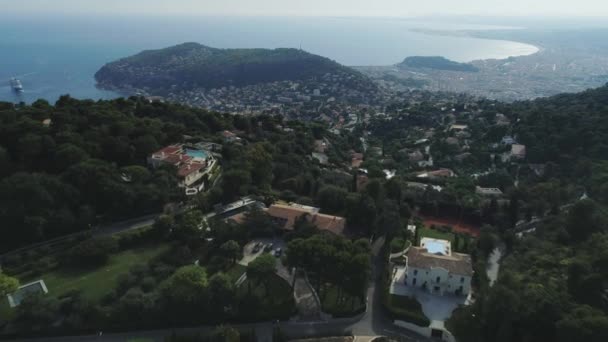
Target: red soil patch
(456,226)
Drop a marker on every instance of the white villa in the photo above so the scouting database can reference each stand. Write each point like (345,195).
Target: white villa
(434,267)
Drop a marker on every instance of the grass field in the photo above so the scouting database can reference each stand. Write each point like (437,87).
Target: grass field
(95,283)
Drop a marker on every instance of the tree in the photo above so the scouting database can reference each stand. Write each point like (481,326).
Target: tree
(261,269)
(188,285)
(163,225)
(585,218)
(190,225)
(332,198)
(7,284)
(231,250)
(93,252)
(221,291)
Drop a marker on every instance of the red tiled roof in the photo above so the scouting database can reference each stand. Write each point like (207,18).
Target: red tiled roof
(176,159)
(171,149)
(189,168)
(289,214)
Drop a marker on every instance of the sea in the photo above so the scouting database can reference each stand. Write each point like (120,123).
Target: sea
(58,55)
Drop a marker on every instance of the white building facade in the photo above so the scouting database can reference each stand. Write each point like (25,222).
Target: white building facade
(433,267)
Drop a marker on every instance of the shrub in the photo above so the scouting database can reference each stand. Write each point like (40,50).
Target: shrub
(148,284)
(406,309)
(93,252)
(397,245)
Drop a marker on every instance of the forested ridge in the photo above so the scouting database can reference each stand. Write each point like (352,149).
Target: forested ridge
(191,65)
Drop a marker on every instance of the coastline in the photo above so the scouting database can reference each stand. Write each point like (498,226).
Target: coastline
(478,34)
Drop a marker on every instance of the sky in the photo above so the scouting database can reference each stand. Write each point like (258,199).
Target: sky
(390,8)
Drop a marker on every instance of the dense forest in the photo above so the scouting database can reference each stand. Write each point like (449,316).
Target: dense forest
(191,65)
(553,284)
(63,170)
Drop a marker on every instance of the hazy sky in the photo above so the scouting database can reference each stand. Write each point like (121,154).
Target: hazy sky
(395,8)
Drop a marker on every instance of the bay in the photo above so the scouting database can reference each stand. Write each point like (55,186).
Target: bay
(60,55)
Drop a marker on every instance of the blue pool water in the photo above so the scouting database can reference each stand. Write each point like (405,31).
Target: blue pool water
(196,154)
(435,247)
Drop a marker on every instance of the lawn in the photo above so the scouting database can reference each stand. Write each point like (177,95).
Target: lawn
(277,303)
(94,284)
(347,307)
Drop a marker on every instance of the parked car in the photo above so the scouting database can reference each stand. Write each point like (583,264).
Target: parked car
(278,252)
(257,247)
(268,248)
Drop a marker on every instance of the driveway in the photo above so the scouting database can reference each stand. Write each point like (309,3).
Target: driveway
(249,255)
(436,308)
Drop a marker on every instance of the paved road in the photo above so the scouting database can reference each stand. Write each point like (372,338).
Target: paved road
(373,322)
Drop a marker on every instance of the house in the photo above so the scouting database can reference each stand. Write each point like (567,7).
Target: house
(489,192)
(518,151)
(192,163)
(415,156)
(458,127)
(441,173)
(356,160)
(286,215)
(434,267)
(230,136)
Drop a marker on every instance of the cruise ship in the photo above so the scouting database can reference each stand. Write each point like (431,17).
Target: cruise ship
(16,85)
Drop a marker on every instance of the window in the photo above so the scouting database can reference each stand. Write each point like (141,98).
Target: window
(461,279)
(414,281)
(438,280)
(415,272)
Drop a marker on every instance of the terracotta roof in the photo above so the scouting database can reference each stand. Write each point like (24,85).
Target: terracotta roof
(456,263)
(176,159)
(334,224)
(189,168)
(171,149)
(289,213)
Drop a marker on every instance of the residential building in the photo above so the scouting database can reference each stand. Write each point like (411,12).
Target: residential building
(192,163)
(490,192)
(518,151)
(441,173)
(458,127)
(286,216)
(434,267)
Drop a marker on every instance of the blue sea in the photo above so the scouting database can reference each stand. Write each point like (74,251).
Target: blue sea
(59,55)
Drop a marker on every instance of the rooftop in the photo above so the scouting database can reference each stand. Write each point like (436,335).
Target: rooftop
(290,212)
(455,263)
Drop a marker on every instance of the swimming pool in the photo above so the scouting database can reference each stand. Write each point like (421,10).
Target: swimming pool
(434,246)
(196,153)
